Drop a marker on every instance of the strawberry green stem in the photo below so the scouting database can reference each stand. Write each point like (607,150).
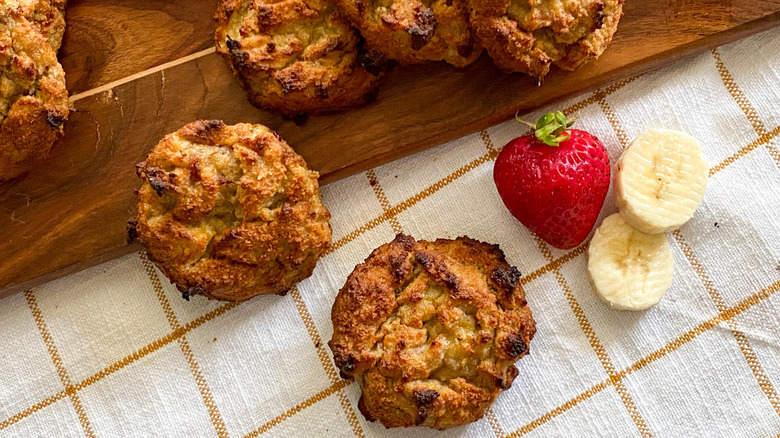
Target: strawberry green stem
(551,129)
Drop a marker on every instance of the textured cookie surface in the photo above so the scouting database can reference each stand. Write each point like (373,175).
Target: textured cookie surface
(33,97)
(296,56)
(414,31)
(530,35)
(48,16)
(431,330)
(230,212)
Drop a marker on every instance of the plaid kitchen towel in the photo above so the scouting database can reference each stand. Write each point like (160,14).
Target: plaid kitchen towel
(114,351)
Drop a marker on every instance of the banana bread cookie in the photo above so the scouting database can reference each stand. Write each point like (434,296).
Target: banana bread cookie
(431,331)
(48,16)
(530,35)
(230,212)
(296,56)
(33,98)
(415,31)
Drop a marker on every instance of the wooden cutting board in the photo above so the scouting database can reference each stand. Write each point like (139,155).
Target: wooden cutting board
(138,69)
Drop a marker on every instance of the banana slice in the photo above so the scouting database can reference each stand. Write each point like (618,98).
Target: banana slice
(660,180)
(630,270)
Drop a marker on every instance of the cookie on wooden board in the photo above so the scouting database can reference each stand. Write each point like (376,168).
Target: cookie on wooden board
(415,31)
(296,56)
(48,16)
(230,212)
(33,98)
(531,35)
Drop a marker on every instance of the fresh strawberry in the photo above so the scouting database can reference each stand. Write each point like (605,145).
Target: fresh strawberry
(554,181)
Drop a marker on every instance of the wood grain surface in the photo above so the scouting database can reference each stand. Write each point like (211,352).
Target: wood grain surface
(107,40)
(139,69)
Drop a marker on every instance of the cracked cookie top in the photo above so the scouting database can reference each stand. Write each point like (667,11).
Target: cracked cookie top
(230,212)
(296,56)
(531,35)
(431,330)
(415,31)
(33,97)
(48,17)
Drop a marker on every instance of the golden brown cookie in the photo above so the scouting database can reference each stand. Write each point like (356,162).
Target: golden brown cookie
(33,97)
(414,31)
(48,16)
(296,56)
(530,35)
(431,331)
(230,212)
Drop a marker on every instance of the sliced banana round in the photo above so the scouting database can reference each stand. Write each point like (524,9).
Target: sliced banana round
(630,270)
(660,180)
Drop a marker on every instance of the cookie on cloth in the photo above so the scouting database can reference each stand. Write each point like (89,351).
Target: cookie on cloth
(230,212)
(530,35)
(296,56)
(33,98)
(415,31)
(431,331)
